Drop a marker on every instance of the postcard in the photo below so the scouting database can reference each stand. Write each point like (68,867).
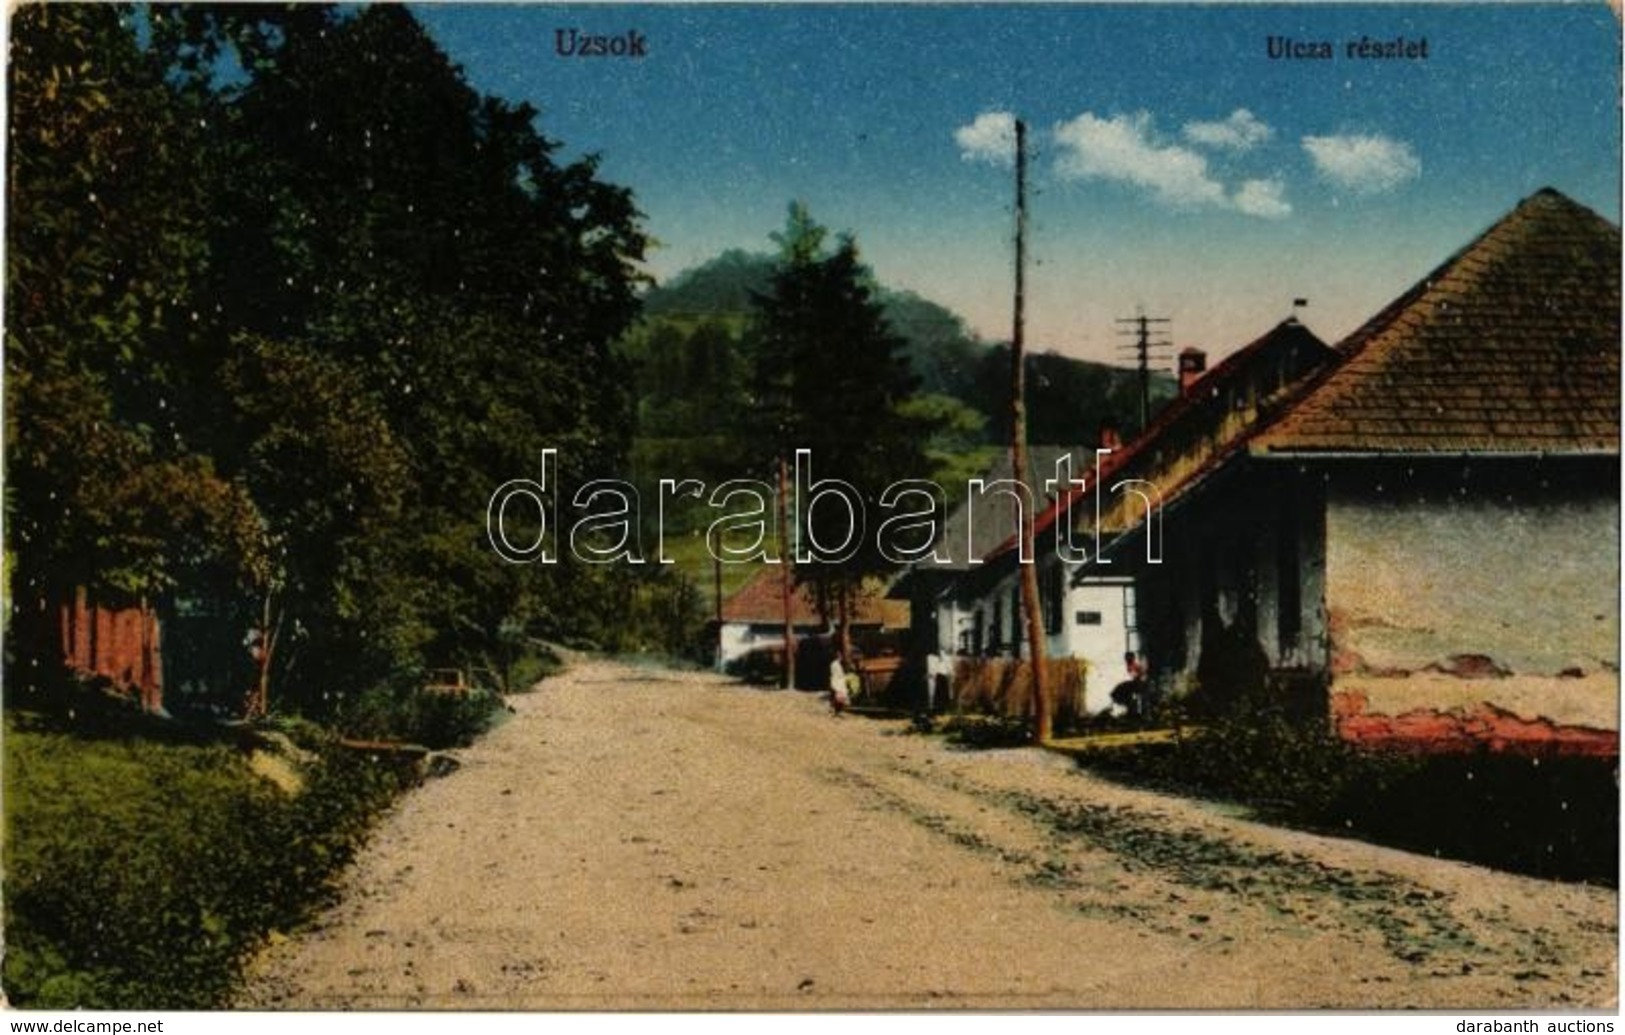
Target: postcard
(813,507)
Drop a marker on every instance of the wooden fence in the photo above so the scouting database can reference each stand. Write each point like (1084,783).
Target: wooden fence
(1004,686)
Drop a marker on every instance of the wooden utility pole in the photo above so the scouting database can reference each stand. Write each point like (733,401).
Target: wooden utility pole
(788,585)
(1018,454)
(716,599)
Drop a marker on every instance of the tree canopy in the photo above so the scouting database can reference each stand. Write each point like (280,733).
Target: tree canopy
(290,300)
(831,378)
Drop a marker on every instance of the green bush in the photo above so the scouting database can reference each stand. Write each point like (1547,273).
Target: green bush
(761,667)
(1291,768)
(409,714)
(139,874)
(531,667)
(1547,816)
(988,731)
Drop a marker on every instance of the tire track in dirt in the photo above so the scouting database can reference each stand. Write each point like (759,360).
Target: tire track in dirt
(1127,863)
(638,838)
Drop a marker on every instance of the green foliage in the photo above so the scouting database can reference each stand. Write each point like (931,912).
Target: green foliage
(943,353)
(1295,768)
(279,333)
(723,285)
(831,378)
(981,732)
(1298,768)
(1067,399)
(1552,817)
(433,719)
(651,610)
(529,665)
(106,483)
(138,874)
(690,396)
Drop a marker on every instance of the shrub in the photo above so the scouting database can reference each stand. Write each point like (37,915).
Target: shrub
(1291,768)
(433,719)
(139,874)
(1553,817)
(980,732)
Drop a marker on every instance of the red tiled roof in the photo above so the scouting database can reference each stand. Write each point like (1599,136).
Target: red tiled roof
(1511,346)
(761,601)
(1182,413)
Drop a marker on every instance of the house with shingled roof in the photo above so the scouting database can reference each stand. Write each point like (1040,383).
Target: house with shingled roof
(753,617)
(1423,538)
(989,516)
(1092,606)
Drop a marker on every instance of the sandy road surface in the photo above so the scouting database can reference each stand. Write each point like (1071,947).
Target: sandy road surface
(644,839)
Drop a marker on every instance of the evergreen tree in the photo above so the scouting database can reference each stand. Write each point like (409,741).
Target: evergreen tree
(831,378)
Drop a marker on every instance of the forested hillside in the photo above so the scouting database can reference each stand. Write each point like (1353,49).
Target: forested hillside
(696,345)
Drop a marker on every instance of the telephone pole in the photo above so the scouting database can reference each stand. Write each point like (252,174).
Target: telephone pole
(1018,453)
(1142,349)
(787,587)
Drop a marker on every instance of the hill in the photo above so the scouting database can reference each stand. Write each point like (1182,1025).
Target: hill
(693,349)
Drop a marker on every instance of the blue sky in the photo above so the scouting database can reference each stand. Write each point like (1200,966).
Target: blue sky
(1175,166)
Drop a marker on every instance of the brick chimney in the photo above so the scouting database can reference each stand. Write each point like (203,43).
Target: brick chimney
(1110,437)
(1192,365)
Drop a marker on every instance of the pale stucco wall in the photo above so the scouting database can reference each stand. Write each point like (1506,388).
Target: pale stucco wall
(1101,645)
(1531,584)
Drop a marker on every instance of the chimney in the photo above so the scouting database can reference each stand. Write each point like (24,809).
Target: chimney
(1110,438)
(1192,365)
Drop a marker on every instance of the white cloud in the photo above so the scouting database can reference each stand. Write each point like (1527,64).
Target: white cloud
(1125,149)
(991,138)
(1263,198)
(1363,164)
(1242,131)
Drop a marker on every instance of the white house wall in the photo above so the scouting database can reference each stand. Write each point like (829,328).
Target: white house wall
(740,638)
(1532,586)
(1101,645)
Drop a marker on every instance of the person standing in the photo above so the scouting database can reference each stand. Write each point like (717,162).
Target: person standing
(838,699)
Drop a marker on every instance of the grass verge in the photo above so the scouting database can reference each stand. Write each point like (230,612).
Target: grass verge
(140,873)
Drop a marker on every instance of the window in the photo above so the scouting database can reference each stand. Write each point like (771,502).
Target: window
(1289,583)
(1018,632)
(1088,618)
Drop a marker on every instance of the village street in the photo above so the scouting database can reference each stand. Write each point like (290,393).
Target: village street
(638,838)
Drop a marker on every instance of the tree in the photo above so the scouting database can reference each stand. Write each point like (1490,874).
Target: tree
(106,487)
(289,300)
(831,378)
(388,232)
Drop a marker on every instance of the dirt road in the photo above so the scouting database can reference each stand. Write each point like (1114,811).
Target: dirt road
(645,839)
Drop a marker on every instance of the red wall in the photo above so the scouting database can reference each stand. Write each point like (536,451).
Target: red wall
(121,644)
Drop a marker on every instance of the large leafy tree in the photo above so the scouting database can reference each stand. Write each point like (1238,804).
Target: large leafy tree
(289,301)
(106,488)
(422,239)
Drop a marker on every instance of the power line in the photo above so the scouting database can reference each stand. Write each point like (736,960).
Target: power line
(1142,349)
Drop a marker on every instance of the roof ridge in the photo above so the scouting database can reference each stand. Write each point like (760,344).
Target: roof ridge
(1395,328)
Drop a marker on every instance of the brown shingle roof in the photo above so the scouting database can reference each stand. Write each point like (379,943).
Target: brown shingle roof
(1511,346)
